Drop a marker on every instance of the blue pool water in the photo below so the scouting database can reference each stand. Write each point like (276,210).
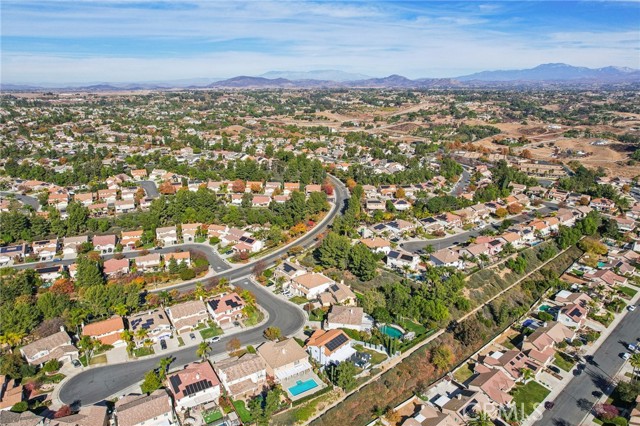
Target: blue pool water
(601,264)
(391,331)
(301,387)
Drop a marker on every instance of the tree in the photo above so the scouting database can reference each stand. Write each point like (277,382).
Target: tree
(51,366)
(441,357)
(501,212)
(468,332)
(238,186)
(53,304)
(363,263)
(527,374)
(334,251)
(234,344)
(343,375)
(151,382)
(514,208)
(272,333)
(89,272)
(203,350)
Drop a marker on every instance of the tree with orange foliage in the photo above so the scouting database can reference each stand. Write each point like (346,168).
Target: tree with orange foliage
(514,208)
(526,154)
(238,186)
(400,193)
(501,212)
(63,286)
(298,229)
(166,188)
(140,194)
(350,184)
(256,188)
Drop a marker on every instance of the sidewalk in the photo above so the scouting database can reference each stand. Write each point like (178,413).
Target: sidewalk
(589,351)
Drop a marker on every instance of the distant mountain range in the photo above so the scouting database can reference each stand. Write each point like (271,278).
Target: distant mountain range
(542,75)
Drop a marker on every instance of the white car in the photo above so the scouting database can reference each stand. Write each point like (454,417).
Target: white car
(626,356)
(214,339)
(632,348)
(631,308)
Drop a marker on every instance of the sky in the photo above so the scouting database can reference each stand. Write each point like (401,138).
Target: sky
(138,41)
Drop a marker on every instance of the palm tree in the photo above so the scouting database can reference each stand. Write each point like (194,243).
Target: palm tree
(484,258)
(165,297)
(480,419)
(142,333)
(203,350)
(527,375)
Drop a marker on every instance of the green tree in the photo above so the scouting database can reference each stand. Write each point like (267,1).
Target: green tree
(151,382)
(272,333)
(203,350)
(345,374)
(363,263)
(480,418)
(53,304)
(89,272)
(334,251)
(441,357)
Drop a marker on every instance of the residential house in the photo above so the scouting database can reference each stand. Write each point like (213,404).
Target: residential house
(70,245)
(92,415)
(105,244)
(10,254)
(114,267)
(167,236)
(243,377)
(287,271)
(149,262)
(131,240)
(226,308)
(372,204)
(602,204)
(495,384)
(402,259)
(86,198)
(155,409)
(330,346)
(139,174)
(351,317)
(56,346)
(447,257)
(429,415)
(124,206)
(50,273)
(44,250)
(511,362)
(377,245)
(11,393)
(187,315)
(155,323)
(572,315)
(195,385)
(284,359)
(190,232)
(180,258)
(309,189)
(310,285)
(108,332)
(108,196)
(450,220)
(607,277)
(337,293)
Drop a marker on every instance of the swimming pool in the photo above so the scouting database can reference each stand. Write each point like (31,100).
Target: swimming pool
(301,387)
(391,331)
(601,264)
(544,308)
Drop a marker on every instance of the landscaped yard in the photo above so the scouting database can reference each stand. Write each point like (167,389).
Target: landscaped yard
(563,361)
(143,351)
(627,291)
(411,326)
(210,332)
(299,300)
(243,412)
(528,397)
(212,416)
(463,373)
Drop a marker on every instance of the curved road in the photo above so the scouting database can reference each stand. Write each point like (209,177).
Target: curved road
(97,384)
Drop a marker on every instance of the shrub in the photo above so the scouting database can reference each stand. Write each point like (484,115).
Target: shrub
(545,316)
(606,412)
(51,366)
(187,274)
(20,407)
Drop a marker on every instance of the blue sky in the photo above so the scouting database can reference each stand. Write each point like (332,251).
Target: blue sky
(90,41)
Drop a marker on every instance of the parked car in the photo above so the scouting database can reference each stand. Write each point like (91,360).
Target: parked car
(631,308)
(163,344)
(632,347)
(76,363)
(554,369)
(192,336)
(213,339)
(626,356)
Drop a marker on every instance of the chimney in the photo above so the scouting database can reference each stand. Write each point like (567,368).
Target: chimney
(459,396)
(62,327)
(197,376)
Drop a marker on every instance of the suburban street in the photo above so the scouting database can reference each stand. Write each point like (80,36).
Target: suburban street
(440,243)
(30,201)
(96,384)
(574,403)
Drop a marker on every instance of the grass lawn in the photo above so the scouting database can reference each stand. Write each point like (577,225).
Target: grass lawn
(138,352)
(411,326)
(254,318)
(56,378)
(563,361)
(242,411)
(627,291)
(463,373)
(210,332)
(299,300)
(212,416)
(527,397)
(316,315)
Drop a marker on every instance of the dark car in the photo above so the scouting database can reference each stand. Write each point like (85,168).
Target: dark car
(577,372)
(554,369)
(192,336)
(163,344)
(549,405)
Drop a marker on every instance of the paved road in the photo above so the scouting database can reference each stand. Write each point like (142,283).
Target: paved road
(97,384)
(150,188)
(462,183)
(574,403)
(440,243)
(25,199)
